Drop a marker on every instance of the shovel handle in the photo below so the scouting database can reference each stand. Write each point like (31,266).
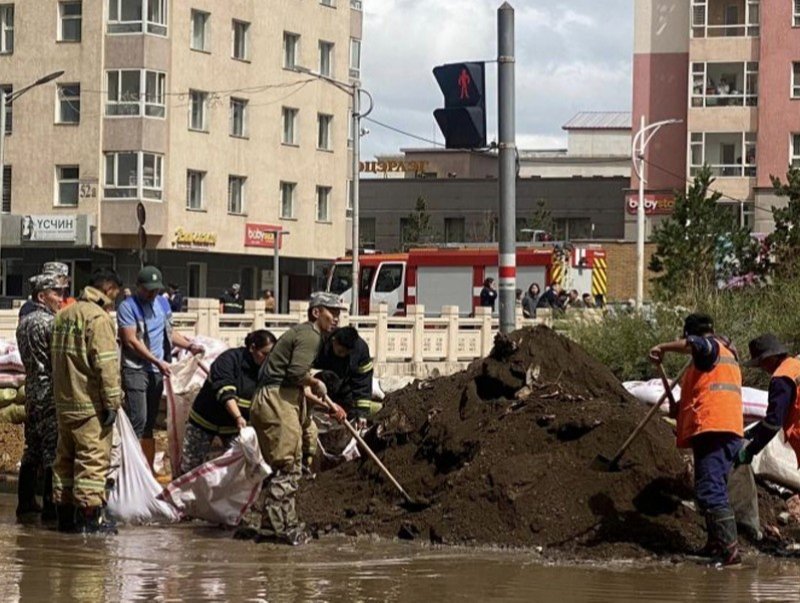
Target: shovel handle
(651,412)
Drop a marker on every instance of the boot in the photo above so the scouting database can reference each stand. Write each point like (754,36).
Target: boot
(65,516)
(149,448)
(92,520)
(26,491)
(711,547)
(48,507)
(726,537)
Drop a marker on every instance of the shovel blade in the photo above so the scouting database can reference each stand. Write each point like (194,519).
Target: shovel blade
(602,463)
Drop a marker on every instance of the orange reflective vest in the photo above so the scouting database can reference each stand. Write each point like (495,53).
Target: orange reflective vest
(711,401)
(791,426)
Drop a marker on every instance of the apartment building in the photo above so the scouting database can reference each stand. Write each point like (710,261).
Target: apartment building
(730,69)
(194,109)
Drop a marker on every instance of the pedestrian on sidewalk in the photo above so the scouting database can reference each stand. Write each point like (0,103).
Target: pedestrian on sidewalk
(86,387)
(709,416)
(147,337)
(488,294)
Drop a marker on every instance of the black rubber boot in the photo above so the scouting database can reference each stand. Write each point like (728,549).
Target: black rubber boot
(48,507)
(92,520)
(26,491)
(726,538)
(711,547)
(65,516)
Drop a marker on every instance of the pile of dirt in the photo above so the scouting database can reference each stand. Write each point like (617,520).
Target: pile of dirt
(12,443)
(504,451)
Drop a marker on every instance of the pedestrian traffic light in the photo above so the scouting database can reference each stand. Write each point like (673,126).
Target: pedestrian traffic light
(463,119)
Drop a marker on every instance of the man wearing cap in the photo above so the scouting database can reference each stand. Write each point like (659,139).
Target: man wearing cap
(34,336)
(709,417)
(279,412)
(231,301)
(783,408)
(145,330)
(61,272)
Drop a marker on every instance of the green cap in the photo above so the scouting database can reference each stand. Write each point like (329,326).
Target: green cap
(150,278)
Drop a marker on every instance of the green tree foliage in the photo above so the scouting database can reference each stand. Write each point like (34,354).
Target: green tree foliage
(784,242)
(417,228)
(701,245)
(540,219)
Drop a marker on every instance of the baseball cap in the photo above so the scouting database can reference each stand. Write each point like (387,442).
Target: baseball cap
(149,277)
(326,300)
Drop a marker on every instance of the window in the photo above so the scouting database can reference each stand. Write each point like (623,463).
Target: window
(287,199)
(6,207)
(455,230)
(796,13)
(68,179)
(565,229)
(6,28)
(289,123)
(795,80)
(355,57)
(725,84)
(390,278)
(728,154)
(331,3)
(241,31)
(236,186)
(794,151)
(8,89)
(238,117)
(355,4)
(326,58)
(197,115)
(366,232)
(291,49)
(324,131)
(126,16)
(734,19)
(350,193)
(195,183)
(197,273)
(68,109)
(125,98)
(200,30)
(133,175)
(323,203)
(69,21)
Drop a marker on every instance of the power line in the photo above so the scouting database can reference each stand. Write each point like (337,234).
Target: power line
(403,132)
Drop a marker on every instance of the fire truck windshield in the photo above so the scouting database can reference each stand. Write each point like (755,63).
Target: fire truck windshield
(340,278)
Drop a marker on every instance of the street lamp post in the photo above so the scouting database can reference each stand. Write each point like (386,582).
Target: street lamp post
(276,263)
(638,147)
(5,100)
(354,90)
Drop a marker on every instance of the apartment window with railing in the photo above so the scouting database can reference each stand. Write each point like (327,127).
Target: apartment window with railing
(289,118)
(291,49)
(137,16)
(198,110)
(236,194)
(68,103)
(70,16)
(355,57)
(8,89)
(200,31)
(239,117)
(287,199)
(67,185)
(727,154)
(134,92)
(323,203)
(723,18)
(133,175)
(241,42)
(326,58)
(6,28)
(195,193)
(324,123)
(724,84)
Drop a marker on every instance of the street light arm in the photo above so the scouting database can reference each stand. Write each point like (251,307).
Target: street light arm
(371,103)
(42,80)
(649,131)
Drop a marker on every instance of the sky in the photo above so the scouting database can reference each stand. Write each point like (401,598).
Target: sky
(571,56)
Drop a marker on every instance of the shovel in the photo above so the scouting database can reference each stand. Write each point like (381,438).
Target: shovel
(601,463)
(410,504)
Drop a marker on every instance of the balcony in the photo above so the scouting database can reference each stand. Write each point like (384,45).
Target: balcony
(724,84)
(725,18)
(729,154)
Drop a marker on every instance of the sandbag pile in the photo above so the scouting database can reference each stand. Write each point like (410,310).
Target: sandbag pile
(12,384)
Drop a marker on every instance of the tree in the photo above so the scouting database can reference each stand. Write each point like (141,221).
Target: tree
(701,245)
(417,228)
(540,219)
(784,242)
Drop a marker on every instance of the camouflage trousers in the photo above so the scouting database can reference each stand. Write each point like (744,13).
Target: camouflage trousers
(41,433)
(196,446)
(278,513)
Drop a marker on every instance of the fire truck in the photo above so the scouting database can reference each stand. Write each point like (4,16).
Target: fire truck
(454,276)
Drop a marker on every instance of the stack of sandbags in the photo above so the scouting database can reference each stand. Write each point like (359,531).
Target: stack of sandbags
(12,384)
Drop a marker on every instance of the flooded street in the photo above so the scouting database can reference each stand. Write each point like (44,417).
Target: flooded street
(191,562)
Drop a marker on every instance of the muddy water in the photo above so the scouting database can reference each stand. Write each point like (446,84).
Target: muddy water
(195,563)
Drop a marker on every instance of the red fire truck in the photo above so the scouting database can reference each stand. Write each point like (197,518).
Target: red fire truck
(436,277)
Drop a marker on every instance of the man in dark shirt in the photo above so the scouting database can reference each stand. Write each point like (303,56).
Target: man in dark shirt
(231,301)
(347,355)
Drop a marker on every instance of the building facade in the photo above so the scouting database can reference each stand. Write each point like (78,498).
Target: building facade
(730,69)
(196,110)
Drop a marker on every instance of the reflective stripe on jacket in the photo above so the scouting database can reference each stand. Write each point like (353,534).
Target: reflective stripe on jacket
(791,368)
(711,401)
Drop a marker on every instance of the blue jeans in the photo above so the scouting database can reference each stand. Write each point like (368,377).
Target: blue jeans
(714,453)
(143,391)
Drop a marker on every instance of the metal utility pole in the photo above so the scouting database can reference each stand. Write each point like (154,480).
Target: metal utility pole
(276,264)
(507,259)
(356,125)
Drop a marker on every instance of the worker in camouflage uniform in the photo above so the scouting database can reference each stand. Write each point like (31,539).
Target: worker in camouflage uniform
(87,390)
(34,334)
(280,417)
(61,272)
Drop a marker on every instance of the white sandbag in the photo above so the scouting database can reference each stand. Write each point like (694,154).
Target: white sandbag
(377,392)
(754,400)
(180,390)
(778,463)
(391,384)
(134,497)
(223,489)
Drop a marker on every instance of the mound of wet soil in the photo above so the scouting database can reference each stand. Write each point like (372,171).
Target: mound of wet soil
(504,451)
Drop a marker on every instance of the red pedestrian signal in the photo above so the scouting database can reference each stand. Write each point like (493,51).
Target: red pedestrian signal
(463,118)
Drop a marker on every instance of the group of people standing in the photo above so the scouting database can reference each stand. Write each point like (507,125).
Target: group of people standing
(554,297)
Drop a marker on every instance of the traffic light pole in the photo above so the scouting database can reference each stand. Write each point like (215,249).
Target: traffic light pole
(507,265)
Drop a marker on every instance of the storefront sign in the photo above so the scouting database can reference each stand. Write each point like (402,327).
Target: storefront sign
(653,204)
(185,238)
(48,228)
(383,167)
(261,235)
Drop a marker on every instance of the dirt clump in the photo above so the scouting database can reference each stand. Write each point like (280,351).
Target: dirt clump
(12,443)
(504,451)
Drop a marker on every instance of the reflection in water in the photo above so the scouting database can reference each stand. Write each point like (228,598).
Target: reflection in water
(192,562)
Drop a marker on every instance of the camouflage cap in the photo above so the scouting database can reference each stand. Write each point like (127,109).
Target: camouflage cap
(43,282)
(58,268)
(326,300)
